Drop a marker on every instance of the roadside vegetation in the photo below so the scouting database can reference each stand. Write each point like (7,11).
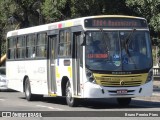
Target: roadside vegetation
(16,14)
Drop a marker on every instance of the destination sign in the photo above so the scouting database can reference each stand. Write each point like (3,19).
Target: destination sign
(115,23)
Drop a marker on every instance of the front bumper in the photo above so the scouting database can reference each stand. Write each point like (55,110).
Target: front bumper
(96,91)
(3,86)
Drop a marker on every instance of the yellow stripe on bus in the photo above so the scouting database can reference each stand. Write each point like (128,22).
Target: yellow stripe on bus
(57,73)
(120,80)
(68,24)
(52,94)
(70,71)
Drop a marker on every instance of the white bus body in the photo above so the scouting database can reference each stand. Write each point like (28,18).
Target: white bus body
(60,70)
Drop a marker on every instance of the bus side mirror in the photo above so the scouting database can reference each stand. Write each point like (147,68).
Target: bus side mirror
(82,39)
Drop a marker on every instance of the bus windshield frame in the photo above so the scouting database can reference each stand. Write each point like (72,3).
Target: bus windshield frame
(120,50)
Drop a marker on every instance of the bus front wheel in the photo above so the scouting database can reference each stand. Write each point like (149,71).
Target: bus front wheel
(29,96)
(123,101)
(71,101)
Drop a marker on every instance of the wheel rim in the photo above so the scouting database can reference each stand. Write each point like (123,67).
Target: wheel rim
(69,93)
(27,89)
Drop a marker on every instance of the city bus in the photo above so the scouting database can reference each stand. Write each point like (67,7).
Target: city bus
(104,56)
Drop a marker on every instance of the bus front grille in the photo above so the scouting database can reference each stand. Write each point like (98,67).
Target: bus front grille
(119,81)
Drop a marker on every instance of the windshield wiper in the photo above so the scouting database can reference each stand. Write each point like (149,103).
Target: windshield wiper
(103,38)
(127,42)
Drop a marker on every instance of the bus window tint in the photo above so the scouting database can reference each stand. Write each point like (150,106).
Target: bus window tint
(11,48)
(64,46)
(20,47)
(30,49)
(111,51)
(41,45)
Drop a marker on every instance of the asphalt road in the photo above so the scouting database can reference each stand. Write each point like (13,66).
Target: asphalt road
(15,101)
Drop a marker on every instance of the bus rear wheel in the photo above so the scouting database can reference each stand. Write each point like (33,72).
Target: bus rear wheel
(29,96)
(123,101)
(71,101)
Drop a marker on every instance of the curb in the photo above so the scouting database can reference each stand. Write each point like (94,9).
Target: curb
(156,93)
(154,98)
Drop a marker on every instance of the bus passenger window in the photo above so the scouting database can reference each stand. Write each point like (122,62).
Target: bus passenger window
(30,50)
(41,42)
(33,53)
(20,47)
(64,46)
(11,48)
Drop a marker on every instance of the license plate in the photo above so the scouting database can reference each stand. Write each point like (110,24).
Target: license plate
(122,91)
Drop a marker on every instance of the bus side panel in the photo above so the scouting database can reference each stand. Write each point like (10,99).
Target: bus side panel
(35,70)
(63,70)
(14,75)
(66,70)
(37,73)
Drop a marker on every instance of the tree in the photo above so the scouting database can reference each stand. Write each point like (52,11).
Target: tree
(25,13)
(3,24)
(149,9)
(52,10)
(17,14)
(98,7)
(55,10)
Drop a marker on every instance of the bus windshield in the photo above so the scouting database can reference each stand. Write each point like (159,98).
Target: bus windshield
(118,50)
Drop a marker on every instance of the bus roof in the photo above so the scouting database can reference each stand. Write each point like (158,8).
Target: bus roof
(62,24)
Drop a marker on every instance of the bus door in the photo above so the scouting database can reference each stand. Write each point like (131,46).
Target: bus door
(77,63)
(52,56)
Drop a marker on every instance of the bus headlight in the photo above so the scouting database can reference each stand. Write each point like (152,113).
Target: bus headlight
(2,79)
(150,76)
(90,76)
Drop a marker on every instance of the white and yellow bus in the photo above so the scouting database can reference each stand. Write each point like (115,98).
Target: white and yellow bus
(107,56)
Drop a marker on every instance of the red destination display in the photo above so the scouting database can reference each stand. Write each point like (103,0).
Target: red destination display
(115,23)
(97,56)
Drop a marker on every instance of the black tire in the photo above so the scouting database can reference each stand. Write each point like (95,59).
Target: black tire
(124,101)
(29,96)
(71,101)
